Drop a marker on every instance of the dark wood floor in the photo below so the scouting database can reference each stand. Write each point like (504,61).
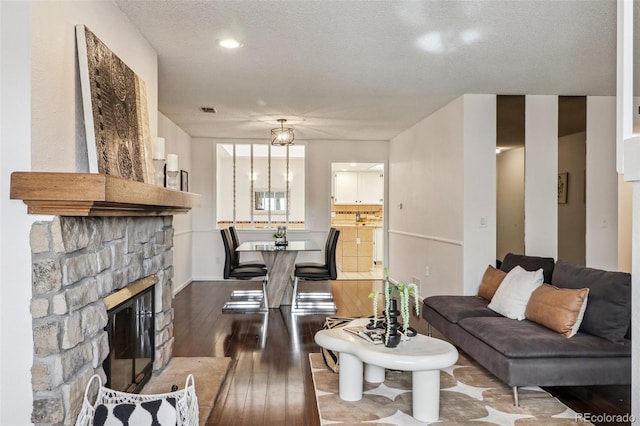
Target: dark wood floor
(269,382)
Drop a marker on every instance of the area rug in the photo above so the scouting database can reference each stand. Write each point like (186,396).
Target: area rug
(469,395)
(208,375)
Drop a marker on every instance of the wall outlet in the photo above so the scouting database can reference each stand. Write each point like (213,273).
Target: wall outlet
(357,240)
(426,271)
(416,281)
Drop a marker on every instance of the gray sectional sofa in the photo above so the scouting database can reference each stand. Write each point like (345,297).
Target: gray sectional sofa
(524,353)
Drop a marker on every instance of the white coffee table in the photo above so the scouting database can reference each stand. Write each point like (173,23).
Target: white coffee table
(423,356)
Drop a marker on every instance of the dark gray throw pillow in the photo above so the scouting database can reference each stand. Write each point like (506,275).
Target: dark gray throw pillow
(529,263)
(608,310)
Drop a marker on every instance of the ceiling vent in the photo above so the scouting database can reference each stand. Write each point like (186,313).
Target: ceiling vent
(209,110)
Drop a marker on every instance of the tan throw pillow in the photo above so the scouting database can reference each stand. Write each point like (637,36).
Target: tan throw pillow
(560,309)
(490,282)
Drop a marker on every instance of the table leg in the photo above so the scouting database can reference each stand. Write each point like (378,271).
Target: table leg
(426,395)
(373,373)
(280,265)
(350,377)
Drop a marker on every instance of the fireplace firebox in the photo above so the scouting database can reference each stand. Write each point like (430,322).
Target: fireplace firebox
(130,329)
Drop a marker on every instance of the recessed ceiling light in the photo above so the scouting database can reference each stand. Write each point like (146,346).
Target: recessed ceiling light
(470,36)
(229,43)
(431,42)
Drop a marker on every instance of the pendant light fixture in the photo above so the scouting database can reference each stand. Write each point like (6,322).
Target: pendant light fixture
(282,136)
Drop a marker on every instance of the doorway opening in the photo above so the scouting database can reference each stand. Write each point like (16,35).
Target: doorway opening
(510,160)
(572,191)
(357,210)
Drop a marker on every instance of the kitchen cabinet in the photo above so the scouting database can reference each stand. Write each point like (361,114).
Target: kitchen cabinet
(355,249)
(345,188)
(378,245)
(358,188)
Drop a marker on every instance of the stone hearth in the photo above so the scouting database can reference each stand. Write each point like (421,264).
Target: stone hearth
(76,262)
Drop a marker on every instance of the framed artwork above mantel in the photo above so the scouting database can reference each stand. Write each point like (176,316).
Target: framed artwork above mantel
(116,117)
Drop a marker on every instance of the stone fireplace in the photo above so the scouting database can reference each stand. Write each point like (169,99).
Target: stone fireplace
(76,262)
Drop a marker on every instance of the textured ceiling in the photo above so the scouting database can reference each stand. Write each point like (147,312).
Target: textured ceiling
(366,70)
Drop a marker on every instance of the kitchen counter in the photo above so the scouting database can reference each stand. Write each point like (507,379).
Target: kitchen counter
(357,224)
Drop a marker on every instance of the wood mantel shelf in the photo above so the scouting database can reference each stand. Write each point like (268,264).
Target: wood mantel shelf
(91,194)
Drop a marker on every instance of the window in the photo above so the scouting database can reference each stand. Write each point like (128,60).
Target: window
(260,186)
(265,201)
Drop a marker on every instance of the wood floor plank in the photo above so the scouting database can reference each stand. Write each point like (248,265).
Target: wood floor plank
(269,382)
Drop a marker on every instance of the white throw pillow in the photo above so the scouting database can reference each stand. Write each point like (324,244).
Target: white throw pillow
(512,296)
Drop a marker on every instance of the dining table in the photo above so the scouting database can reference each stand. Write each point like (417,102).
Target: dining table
(280,261)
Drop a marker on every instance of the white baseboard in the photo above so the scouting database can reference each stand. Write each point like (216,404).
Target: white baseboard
(208,278)
(181,287)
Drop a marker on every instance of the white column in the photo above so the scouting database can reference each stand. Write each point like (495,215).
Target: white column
(624,79)
(602,184)
(635,302)
(628,155)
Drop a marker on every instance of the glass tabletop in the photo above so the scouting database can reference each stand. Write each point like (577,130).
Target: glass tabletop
(300,245)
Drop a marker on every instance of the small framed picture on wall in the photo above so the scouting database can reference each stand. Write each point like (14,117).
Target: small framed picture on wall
(184,180)
(563,186)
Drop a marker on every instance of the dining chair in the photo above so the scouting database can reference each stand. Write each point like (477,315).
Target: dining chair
(235,244)
(327,251)
(243,301)
(242,294)
(316,302)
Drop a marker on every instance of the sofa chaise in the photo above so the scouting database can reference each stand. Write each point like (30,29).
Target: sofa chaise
(525,353)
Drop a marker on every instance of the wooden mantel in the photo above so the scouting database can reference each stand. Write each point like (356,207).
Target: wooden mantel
(91,194)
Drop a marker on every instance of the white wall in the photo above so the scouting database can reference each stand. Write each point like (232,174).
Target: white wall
(541,159)
(442,171)
(602,184)
(177,141)
(426,177)
(635,295)
(207,260)
(445,201)
(541,176)
(625,201)
(208,252)
(479,188)
(39,131)
(16,342)
(625,231)
(57,124)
